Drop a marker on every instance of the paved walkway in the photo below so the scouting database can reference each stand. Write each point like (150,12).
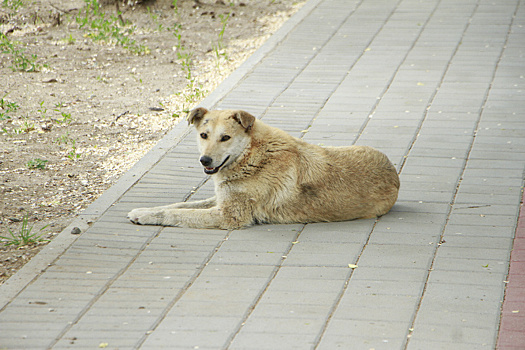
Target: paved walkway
(438,85)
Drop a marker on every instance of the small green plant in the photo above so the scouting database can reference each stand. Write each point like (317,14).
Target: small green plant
(25,235)
(12,5)
(73,155)
(101,79)
(66,118)
(175,6)
(69,40)
(20,61)
(63,139)
(42,110)
(6,107)
(177,32)
(218,49)
(193,90)
(26,127)
(155,18)
(107,28)
(37,163)
(67,140)
(220,44)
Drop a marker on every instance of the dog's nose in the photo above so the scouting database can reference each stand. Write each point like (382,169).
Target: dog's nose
(206,161)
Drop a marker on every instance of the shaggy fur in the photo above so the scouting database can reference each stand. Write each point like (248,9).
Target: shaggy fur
(264,175)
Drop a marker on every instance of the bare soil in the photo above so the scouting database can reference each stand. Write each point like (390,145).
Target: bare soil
(85,110)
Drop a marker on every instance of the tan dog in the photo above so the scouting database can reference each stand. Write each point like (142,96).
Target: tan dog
(264,175)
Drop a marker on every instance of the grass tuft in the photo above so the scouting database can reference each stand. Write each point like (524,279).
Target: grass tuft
(25,235)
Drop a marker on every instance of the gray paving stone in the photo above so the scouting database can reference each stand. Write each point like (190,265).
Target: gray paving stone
(394,288)
(479,231)
(272,341)
(494,220)
(483,278)
(474,336)
(363,333)
(425,228)
(291,273)
(388,313)
(20,339)
(396,255)
(346,249)
(186,340)
(338,341)
(455,240)
(417,239)
(337,232)
(492,199)
(273,325)
(473,253)
(424,344)
(392,273)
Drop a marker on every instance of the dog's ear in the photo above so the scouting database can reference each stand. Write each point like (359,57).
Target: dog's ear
(245,119)
(196,115)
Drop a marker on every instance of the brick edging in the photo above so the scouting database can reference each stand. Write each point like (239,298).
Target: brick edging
(512,324)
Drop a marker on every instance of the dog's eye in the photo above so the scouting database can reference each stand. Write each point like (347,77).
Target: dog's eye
(204,136)
(225,138)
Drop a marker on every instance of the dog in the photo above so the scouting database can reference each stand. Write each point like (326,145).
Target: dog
(264,175)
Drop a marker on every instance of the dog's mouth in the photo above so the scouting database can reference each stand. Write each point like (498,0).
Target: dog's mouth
(211,171)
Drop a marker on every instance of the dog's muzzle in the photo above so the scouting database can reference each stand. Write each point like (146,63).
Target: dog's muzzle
(207,161)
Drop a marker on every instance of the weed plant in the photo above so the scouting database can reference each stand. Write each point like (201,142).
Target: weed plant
(37,163)
(107,28)
(193,90)
(155,18)
(69,40)
(20,62)
(26,127)
(7,107)
(65,118)
(25,235)
(175,5)
(12,5)
(219,47)
(67,140)
(42,110)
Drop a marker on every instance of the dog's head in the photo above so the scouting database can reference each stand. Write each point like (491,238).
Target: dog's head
(222,136)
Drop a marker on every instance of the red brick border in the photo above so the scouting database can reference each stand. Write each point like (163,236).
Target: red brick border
(512,326)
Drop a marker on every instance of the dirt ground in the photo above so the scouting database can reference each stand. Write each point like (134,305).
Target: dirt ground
(83,97)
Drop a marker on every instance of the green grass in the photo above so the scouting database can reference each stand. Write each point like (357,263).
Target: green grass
(19,60)
(26,127)
(12,5)
(69,40)
(25,236)
(193,90)
(67,140)
(37,163)
(7,107)
(219,47)
(107,28)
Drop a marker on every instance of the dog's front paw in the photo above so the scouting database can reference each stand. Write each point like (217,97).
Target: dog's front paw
(146,216)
